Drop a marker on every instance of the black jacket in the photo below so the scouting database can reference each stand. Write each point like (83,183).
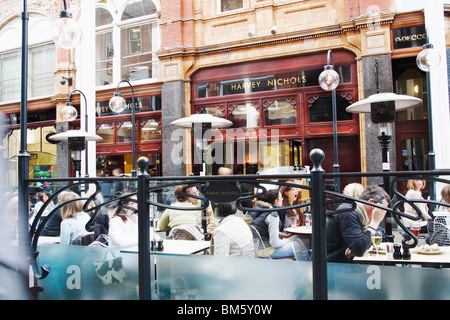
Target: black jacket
(344,230)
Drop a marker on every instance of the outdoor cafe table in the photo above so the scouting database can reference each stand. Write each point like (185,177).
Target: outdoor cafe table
(302,231)
(180,247)
(437,260)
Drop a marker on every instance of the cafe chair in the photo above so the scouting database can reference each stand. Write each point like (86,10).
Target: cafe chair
(439,232)
(84,240)
(186,232)
(261,250)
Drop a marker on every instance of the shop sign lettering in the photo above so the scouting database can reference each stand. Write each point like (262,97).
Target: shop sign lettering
(269,83)
(409,37)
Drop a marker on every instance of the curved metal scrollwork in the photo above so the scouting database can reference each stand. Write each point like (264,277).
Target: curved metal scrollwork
(91,205)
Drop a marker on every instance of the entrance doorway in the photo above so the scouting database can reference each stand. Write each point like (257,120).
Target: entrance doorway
(106,164)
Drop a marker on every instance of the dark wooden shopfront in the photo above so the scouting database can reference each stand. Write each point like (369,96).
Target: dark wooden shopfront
(282,96)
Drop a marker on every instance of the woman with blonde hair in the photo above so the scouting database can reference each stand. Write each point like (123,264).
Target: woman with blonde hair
(74,220)
(414,192)
(354,190)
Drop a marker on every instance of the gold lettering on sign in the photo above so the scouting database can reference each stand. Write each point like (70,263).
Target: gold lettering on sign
(269,83)
(413,37)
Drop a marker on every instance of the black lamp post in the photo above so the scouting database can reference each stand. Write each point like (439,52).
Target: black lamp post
(329,80)
(382,108)
(23,155)
(117,104)
(427,60)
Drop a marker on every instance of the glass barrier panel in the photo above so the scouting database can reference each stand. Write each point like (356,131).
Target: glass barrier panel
(88,273)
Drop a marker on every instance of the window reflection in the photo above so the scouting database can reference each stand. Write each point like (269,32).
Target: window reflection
(321,110)
(414,154)
(280,112)
(106,131)
(124,133)
(151,131)
(244,115)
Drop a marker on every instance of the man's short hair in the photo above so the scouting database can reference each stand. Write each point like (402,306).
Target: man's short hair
(376,193)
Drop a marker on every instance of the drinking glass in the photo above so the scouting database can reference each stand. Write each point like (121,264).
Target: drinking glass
(376,240)
(415,229)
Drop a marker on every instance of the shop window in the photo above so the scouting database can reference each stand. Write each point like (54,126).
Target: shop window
(321,109)
(409,80)
(106,131)
(216,111)
(124,131)
(244,115)
(229,5)
(42,162)
(41,59)
(280,112)
(414,154)
(151,131)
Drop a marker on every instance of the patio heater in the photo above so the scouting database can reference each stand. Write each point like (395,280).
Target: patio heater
(77,143)
(202,122)
(382,108)
(69,113)
(329,81)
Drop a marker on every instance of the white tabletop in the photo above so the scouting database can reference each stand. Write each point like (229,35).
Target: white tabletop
(182,247)
(417,257)
(47,240)
(300,230)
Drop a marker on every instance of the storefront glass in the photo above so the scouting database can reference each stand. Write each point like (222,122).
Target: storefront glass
(42,161)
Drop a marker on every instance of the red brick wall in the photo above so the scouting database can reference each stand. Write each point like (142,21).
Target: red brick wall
(356,8)
(176,24)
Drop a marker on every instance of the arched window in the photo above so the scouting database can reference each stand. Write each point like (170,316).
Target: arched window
(126,44)
(138,8)
(41,58)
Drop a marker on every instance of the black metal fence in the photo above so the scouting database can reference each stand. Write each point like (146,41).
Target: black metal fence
(150,196)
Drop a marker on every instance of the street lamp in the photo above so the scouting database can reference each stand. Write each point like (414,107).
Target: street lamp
(329,80)
(66,32)
(69,113)
(204,122)
(427,60)
(117,104)
(382,108)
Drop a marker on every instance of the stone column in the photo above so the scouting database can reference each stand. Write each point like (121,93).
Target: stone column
(373,147)
(173,108)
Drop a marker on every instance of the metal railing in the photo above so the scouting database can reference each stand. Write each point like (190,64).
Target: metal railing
(149,191)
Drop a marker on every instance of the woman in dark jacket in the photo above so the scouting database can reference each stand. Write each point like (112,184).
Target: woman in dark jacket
(268,223)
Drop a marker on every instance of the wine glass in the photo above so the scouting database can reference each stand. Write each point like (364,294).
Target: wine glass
(415,229)
(376,240)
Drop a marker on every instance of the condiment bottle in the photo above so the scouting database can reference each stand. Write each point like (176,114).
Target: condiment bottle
(406,253)
(397,253)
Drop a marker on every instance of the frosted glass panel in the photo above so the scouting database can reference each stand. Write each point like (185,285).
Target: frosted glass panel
(81,273)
